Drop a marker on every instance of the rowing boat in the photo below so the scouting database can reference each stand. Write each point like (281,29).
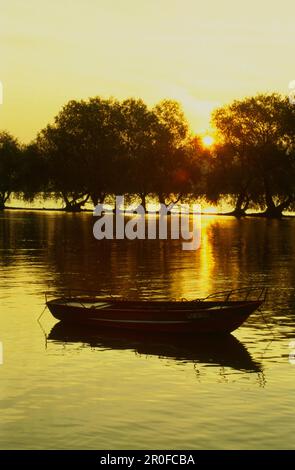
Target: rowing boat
(207,315)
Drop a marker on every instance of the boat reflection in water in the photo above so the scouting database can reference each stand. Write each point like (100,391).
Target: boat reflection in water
(222,351)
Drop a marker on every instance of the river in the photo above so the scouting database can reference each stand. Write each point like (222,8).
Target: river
(65,390)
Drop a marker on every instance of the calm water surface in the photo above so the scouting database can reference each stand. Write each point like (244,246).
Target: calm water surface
(71,389)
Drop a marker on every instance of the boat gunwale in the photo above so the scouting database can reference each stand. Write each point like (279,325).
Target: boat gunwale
(127,305)
(87,297)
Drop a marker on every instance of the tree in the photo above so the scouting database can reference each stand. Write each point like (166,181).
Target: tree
(230,177)
(104,153)
(198,162)
(81,148)
(172,178)
(138,137)
(253,162)
(100,147)
(33,173)
(9,166)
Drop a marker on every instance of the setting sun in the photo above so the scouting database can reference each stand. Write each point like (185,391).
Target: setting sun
(208,140)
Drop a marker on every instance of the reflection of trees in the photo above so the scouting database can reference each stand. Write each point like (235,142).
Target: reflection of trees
(23,235)
(254,248)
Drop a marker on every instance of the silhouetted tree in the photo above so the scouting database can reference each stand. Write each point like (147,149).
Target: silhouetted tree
(253,162)
(9,167)
(81,148)
(198,162)
(138,137)
(33,173)
(158,149)
(232,178)
(172,176)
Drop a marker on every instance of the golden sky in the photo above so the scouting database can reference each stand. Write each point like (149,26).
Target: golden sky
(201,53)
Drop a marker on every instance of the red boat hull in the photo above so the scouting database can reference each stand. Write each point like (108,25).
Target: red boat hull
(172,317)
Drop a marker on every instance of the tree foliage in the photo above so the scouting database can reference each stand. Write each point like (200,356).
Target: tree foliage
(99,147)
(254,161)
(9,167)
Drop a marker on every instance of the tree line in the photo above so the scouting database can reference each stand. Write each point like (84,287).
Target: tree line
(101,147)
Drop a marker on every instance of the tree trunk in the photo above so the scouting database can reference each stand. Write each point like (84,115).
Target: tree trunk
(247,202)
(270,205)
(272,210)
(276,212)
(74,205)
(285,204)
(4,196)
(161,198)
(97,198)
(242,204)
(143,200)
(171,204)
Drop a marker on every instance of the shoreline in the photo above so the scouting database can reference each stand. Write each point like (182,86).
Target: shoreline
(223,214)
